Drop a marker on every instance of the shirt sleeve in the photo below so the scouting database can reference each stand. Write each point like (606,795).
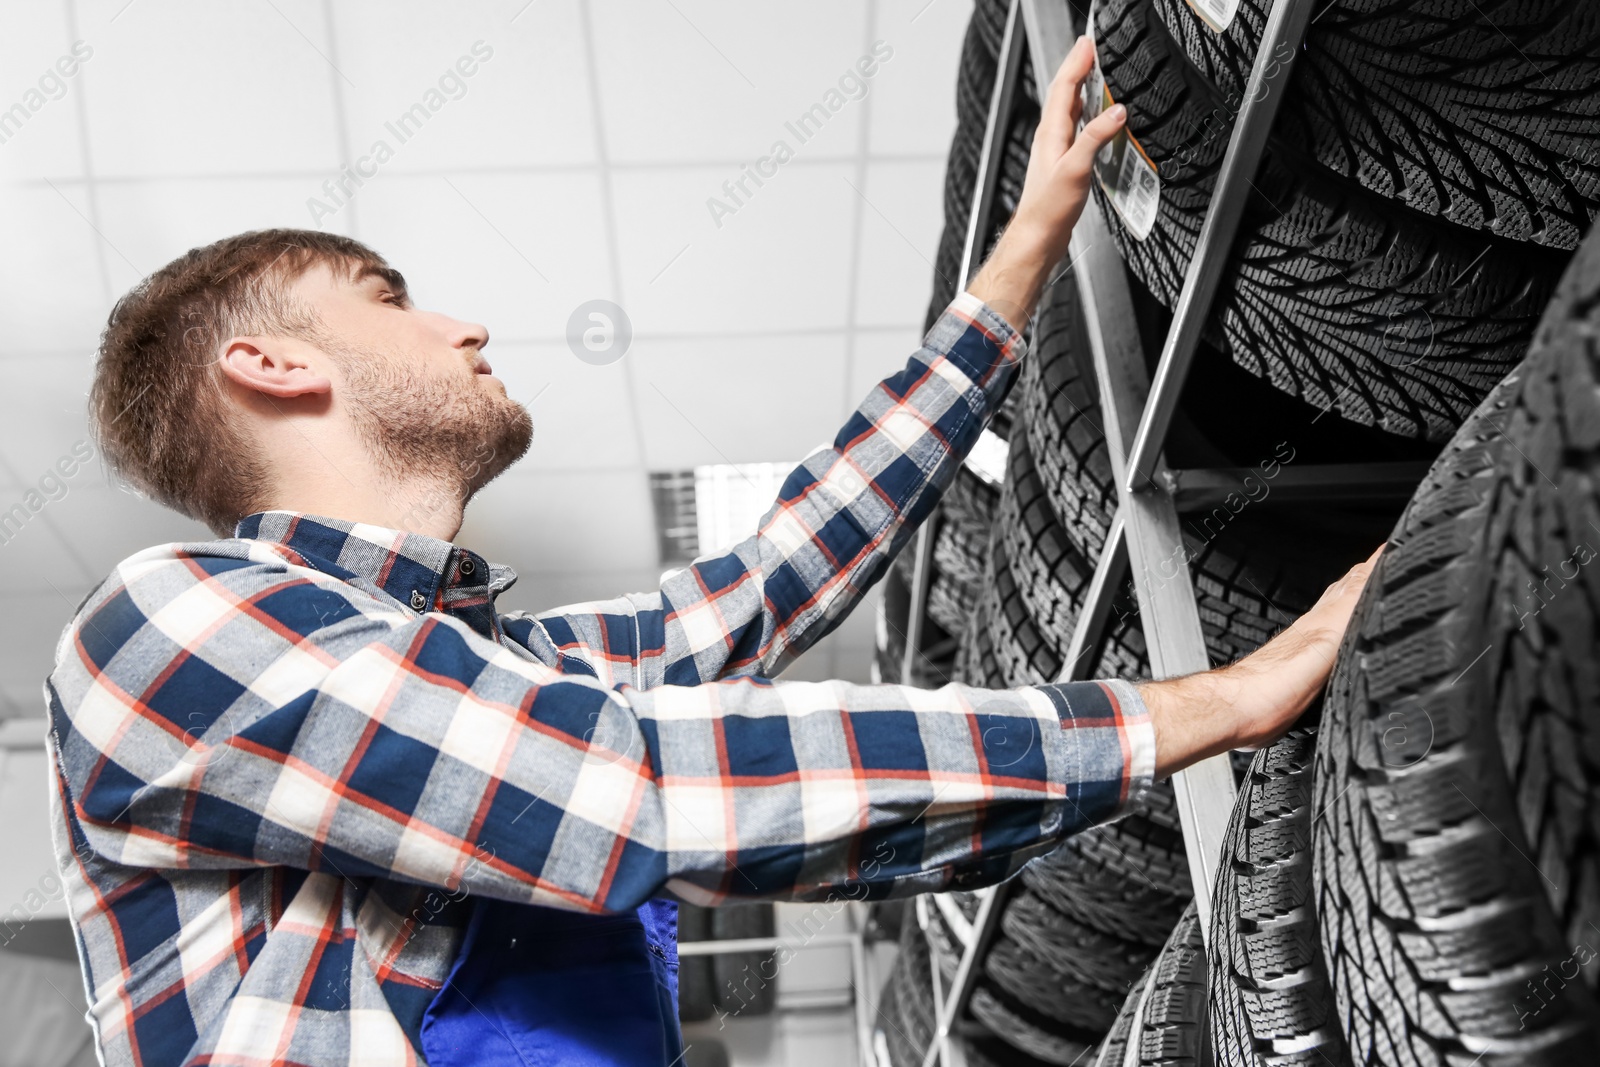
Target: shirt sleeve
(839,520)
(223,713)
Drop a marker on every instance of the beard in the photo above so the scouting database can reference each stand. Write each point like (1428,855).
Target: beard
(450,430)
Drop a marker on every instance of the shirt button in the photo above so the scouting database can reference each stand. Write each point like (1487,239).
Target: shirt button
(466,565)
(418,601)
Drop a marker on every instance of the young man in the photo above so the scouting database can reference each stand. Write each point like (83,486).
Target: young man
(320,803)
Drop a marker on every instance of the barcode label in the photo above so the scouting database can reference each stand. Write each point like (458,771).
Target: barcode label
(1215,13)
(1140,193)
(1121,167)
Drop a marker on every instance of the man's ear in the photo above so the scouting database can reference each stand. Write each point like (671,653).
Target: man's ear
(272,365)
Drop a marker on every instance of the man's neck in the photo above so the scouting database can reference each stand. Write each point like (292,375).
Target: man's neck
(425,506)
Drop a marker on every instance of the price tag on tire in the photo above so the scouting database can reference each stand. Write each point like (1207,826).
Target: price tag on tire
(1126,175)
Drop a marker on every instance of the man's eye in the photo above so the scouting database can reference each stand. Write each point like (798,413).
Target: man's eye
(391,298)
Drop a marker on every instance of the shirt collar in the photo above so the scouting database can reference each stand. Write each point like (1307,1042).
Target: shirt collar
(411,567)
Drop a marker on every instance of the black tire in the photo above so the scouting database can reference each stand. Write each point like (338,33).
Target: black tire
(1457,866)
(1114,1049)
(695,1001)
(1127,879)
(1052,571)
(1012,1021)
(1083,924)
(968,508)
(1389,315)
(908,979)
(1027,1031)
(961,550)
(950,603)
(744,983)
(1070,971)
(1254,569)
(978,68)
(889,658)
(1006,646)
(906,1013)
(1414,100)
(1172,1032)
(1271,1003)
(888,916)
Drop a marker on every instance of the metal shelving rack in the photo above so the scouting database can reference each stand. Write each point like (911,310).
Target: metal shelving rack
(1137,415)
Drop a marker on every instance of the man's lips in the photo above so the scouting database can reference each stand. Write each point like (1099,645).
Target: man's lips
(482,366)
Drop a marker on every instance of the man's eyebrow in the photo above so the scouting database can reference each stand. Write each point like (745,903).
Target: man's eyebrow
(392,277)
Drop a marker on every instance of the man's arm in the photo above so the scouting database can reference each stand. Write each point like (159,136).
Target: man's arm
(222,711)
(847,510)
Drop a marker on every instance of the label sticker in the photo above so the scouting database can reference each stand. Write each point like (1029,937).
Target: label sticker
(1217,14)
(1124,172)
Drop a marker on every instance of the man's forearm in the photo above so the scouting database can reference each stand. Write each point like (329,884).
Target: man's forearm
(1014,275)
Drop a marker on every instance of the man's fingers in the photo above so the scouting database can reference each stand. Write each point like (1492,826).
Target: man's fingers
(1356,577)
(1338,602)
(1057,122)
(1095,136)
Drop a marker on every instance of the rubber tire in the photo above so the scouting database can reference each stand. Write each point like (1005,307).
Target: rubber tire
(960,550)
(1253,570)
(1353,301)
(1067,970)
(744,971)
(1173,1031)
(906,1010)
(1271,1003)
(1005,647)
(977,71)
(1127,879)
(950,603)
(1414,99)
(1458,863)
(908,979)
(1051,571)
(1114,1049)
(893,608)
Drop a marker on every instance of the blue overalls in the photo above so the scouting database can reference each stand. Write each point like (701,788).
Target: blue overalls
(537,986)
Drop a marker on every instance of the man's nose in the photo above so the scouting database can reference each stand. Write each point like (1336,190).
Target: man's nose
(470,334)
(463,334)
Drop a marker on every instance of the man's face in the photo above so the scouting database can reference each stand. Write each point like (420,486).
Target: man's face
(415,383)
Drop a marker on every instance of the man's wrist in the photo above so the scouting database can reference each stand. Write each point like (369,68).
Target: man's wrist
(1193,717)
(1014,274)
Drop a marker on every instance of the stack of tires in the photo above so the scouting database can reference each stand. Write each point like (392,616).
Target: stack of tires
(962,529)
(1411,874)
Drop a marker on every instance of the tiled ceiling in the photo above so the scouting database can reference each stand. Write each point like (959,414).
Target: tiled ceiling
(575,162)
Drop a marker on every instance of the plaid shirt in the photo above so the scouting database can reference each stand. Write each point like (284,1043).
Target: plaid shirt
(284,761)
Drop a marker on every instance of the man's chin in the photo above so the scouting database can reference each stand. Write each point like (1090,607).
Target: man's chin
(510,442)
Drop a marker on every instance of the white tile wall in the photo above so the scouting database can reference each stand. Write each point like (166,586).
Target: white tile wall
(575,162)
(694,80)
(524,105)
(183,87)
